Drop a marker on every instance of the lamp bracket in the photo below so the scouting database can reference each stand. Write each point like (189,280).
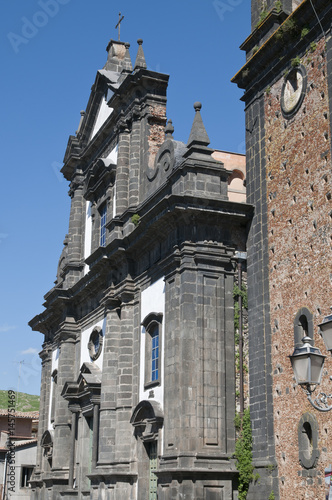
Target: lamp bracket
(320,402)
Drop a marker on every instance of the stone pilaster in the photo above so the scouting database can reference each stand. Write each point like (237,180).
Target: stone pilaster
(199,372)
(76,230)
(124,402)
(122,173)
(46,357)
(134,172)
(66,372)
(109,386)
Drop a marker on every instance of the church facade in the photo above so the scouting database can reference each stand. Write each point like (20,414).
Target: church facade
(138,365)
(287,80)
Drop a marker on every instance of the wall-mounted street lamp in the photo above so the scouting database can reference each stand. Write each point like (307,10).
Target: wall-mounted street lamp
(307,363)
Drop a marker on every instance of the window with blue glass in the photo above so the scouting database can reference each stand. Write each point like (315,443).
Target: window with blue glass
(152,361)
(103,213)
(155,353)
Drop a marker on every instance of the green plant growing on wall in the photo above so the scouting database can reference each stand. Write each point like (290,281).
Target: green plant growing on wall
(237,421)
(313,46)
(304,32)
(288,29)
(271,496)
(243,455)
(255,49)
(263,15)
(236,293)
(135,219)
(295,62)
(268,90)
(278,5)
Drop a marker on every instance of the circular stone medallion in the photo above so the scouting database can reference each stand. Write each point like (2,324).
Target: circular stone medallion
(293,91)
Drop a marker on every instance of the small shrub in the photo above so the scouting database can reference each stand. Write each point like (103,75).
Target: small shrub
(304,32)
(271,496)
(313,46)
(295,62)
(263,15)
(268,90)
(288,29)
(135,219)
(278,5)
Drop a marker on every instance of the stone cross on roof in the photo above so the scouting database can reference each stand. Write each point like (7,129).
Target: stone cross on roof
(119,24)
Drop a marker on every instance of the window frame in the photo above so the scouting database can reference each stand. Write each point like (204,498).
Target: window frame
(97,333)
(26,477)
(303,326)
(150,323)
(53,398)
(102,226)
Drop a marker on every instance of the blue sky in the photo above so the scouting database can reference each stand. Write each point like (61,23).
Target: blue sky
(50,53)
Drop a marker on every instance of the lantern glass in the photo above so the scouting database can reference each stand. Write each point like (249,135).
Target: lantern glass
(326,330)
(307,362)
(317,363)
(301,368)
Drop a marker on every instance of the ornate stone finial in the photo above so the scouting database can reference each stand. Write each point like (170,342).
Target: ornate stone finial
(198,134)
(169,130)
(140,58)
(127,65)
(197,106)
(80,124)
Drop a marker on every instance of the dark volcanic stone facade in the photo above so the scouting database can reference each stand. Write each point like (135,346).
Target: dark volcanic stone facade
(138,379)
(288,96)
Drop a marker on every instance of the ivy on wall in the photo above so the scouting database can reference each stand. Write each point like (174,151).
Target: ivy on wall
(243,454)
(236,294)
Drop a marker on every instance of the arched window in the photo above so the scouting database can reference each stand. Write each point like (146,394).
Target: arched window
(53,400)
(308,441)
(303,326)
(152,325)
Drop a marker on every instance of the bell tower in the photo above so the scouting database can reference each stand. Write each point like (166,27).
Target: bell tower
(287,79)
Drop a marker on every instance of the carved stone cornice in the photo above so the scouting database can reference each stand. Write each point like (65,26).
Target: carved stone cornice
(76,183)
(68,330)
(99,177)
(46,353)
(125,292)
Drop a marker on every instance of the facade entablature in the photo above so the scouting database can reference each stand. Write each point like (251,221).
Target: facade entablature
(99,178)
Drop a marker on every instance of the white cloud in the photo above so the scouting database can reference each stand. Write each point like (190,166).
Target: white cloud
(31,350)
(6,328)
